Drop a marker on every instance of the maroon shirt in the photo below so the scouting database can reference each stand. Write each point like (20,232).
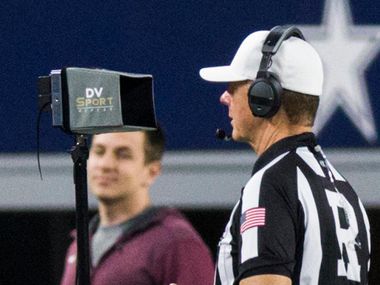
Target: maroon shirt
(160,248)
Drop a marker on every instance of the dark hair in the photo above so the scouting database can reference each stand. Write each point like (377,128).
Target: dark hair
(154,145)
(299,108)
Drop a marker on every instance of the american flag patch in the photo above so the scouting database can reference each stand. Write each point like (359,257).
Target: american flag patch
(253,217)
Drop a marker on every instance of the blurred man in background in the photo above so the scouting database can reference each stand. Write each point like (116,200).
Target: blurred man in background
(133,242)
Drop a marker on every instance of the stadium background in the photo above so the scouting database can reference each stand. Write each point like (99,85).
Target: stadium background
(171,40)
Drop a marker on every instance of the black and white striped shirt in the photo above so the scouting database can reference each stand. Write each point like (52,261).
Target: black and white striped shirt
(296,217)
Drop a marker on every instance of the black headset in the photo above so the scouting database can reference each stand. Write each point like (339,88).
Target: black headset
(264,94)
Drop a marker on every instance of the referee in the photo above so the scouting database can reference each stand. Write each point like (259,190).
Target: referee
(298,220)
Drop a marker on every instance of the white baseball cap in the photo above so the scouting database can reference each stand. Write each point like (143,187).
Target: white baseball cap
(297,64)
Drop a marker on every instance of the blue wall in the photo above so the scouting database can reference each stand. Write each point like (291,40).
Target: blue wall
(171,40)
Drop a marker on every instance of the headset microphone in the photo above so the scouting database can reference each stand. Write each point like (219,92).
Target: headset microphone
(221,134)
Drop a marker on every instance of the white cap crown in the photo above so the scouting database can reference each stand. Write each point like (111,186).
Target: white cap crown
(297,65)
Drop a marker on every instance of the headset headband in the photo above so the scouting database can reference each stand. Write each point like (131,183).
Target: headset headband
(273,42)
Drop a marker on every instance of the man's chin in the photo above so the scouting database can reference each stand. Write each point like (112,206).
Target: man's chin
(237,137)
(107,199)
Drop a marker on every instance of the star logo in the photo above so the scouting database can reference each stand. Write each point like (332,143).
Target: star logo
(346,50)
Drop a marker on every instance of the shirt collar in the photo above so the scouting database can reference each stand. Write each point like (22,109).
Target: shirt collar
(282,146)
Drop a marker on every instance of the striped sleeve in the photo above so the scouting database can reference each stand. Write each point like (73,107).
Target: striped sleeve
(267,226)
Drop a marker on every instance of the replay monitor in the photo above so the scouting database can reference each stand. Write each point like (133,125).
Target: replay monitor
(90,101)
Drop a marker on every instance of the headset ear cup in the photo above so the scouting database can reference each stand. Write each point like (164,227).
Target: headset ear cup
(264,96)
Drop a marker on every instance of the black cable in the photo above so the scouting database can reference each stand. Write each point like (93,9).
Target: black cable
(38,137)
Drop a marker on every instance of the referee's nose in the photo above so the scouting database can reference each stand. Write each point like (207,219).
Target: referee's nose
(225,98)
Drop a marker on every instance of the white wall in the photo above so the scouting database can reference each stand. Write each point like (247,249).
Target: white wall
(204,179)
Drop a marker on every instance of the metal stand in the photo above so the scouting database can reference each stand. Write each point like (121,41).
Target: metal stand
(79,154)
